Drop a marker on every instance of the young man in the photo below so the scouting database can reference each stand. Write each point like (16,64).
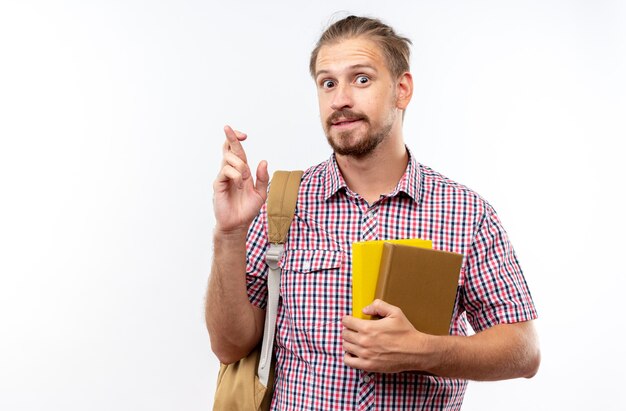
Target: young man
(371,188)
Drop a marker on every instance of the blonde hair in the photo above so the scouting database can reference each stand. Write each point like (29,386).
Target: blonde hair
(395,48)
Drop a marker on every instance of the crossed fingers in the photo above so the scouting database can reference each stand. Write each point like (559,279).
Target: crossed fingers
(234,160)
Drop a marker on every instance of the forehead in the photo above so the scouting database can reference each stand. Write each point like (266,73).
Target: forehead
(349,52)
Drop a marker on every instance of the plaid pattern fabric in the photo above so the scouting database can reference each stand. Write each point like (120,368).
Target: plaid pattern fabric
(316,284)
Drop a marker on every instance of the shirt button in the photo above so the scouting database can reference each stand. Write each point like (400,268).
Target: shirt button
(366,379)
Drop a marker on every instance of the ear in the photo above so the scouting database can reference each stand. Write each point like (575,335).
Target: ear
(404,90)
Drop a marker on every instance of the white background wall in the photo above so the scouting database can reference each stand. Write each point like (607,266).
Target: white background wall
(111,116)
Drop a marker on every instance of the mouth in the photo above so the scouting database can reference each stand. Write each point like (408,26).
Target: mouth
(345,122)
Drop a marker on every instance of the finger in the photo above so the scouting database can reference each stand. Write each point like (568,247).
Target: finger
(230,159)
(352,361)
(380,308)
(262,179)
(350,336)
(351,349)
(240,135)
(234,143)
(353,323)
(226,147)
(228,175)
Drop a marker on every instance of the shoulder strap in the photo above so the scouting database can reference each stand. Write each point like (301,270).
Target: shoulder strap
(281,206)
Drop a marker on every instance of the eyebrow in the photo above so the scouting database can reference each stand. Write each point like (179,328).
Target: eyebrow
(352,67)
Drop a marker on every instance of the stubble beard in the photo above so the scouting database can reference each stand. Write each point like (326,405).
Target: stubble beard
(349,143)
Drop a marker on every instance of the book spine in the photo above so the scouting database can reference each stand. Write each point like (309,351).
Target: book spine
(383,271)
(357,278)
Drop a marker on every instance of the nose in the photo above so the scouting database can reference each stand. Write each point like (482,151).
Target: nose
(342,97)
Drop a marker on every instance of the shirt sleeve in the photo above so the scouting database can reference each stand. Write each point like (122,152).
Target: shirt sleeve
(256,267)
(495,290)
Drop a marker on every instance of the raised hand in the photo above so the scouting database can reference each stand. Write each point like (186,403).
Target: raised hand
(237,199)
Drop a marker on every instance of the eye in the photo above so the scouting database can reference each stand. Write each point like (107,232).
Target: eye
(362,80)
(328,84)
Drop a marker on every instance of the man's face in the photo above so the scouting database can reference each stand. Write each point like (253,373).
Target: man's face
(357,96)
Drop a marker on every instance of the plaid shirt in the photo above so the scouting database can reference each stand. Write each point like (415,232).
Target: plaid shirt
(316,284)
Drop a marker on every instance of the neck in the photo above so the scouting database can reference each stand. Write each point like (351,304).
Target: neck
(377,173)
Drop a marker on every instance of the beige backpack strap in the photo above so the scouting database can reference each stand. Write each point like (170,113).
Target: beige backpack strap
(281,206)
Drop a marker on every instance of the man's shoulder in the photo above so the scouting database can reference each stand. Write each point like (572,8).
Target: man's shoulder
(435,185)
(316,170)
(315,175)
(432,177)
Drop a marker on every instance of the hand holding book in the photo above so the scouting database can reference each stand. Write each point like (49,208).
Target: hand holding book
(390,344)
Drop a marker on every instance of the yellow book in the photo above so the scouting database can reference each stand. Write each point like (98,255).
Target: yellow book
(366,256)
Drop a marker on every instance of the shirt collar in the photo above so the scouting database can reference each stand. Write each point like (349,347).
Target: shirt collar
(334,180)
(408,184)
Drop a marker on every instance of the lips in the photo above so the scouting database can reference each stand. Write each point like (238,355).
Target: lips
(345,118)
(345,122)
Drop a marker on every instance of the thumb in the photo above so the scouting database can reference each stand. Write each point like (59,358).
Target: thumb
(379,308)
(262,179)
